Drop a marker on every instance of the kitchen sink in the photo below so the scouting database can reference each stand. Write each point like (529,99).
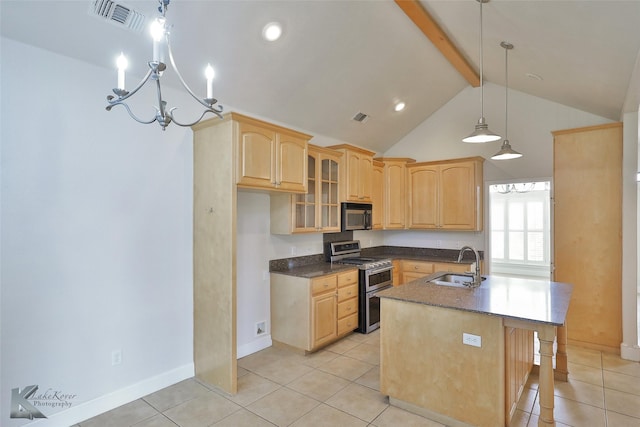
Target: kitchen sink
(451,279)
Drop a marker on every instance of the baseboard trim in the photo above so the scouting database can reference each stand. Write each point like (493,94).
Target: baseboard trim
(628,352)
(254,346)
(109,401)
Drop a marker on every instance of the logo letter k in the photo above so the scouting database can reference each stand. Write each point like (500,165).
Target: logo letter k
(20,406)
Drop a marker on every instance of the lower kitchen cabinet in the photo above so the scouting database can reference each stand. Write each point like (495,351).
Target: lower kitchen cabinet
(310,313)
(518,352)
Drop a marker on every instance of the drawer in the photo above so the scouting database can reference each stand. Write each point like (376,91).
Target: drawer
(346,279)
(348,292)
(347,324)
(417,267)
(347,308)
(324,284)
(452,266)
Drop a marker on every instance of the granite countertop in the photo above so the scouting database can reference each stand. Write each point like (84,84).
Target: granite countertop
(540,301)
(316,265)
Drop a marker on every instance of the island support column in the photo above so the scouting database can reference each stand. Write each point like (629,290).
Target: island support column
(546,335)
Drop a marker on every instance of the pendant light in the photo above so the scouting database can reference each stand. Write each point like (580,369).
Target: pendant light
(481,133)
(506,152)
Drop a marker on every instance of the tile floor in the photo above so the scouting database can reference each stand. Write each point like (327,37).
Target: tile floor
(338,387)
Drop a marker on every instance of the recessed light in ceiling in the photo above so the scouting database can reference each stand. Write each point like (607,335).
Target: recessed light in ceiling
(399,106)
(534,76)
(272,31)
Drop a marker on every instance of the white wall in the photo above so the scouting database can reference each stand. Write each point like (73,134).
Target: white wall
(96,239)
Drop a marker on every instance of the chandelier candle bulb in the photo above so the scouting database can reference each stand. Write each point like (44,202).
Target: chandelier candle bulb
(157,31)
(209,73)
(122,63)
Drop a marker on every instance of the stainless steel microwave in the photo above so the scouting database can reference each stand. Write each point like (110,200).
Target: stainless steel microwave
(356,216)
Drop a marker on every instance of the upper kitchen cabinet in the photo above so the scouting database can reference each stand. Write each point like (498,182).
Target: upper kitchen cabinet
(445,195)
(270,157)
(395,189)
(377,196)
(319,209)
(357,173)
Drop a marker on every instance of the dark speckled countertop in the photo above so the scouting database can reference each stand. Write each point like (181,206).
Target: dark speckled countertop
(316,265)
(540,301)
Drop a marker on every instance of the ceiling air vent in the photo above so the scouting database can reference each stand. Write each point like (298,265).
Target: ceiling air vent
(360,117)
(118,14)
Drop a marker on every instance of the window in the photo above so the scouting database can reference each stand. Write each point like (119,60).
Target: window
(520,229)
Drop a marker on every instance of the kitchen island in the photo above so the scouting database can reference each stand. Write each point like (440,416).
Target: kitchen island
(425,367)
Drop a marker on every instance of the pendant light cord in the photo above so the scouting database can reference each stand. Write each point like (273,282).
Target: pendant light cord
(481,67)
(506,93)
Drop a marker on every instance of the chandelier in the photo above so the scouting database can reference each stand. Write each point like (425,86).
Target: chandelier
(164,116)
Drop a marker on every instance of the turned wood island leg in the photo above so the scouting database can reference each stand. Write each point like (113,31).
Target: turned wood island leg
(546,335)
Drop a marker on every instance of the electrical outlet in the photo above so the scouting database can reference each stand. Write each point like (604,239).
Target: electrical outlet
(293,250)
(438,244)
(470,339)
(116,357)
(261,328)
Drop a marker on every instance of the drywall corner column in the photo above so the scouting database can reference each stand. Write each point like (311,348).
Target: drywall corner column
(629,349)
(214,254)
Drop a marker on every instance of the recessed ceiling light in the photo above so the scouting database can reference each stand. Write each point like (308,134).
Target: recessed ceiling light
(399,106)
(534,76)
(272,31)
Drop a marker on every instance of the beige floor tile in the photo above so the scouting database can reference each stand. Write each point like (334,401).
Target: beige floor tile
(527,399)
(318,385)
(176,394)
(263,357)
(326,416)
(282,371)
(580,392)
(359,401)
(366,352)
(622,403)
(619,420)
(575,413)
(396,417)
(342,346)
(584,356)
(612,362)
(283,406)
(374,338)
(252,387)
(533,422)
(371,378)
(125,415)
(622,382)
(520,419)
(532,381)
(585,374)
(243,418)
(358,337)
(156,421)
(242,371)
(203,411)
(346,367)
(316,359)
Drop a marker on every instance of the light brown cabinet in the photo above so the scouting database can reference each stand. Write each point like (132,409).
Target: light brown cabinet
(409,270)
(357,173)
(587,179)
(377,196)
(319,209)
(445,195)
(394,192)
(270,157)
(311,313)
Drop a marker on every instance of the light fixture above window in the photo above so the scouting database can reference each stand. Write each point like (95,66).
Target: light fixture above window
(481,133)
(506,152)
(272,31)
(160,33)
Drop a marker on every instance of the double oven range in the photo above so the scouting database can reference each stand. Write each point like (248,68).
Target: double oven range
(374,276)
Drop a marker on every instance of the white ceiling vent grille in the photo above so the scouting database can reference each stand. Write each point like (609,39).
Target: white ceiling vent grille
(118,14)
(360,117)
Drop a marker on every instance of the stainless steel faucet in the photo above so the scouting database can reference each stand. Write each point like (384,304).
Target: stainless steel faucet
(476,276)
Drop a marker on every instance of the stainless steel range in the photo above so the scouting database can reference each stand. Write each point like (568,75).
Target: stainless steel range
(375,275)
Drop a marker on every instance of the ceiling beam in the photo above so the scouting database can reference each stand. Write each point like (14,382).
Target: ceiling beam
(425,22)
